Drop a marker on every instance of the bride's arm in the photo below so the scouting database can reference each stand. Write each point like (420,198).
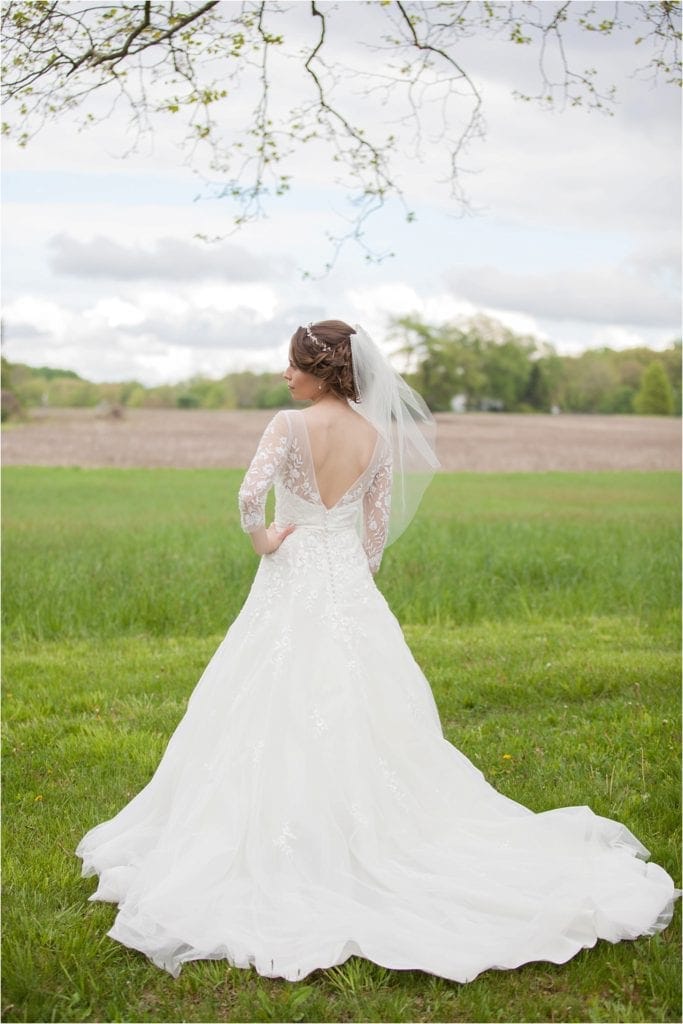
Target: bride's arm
(266,540)
(376,509)
(258,480)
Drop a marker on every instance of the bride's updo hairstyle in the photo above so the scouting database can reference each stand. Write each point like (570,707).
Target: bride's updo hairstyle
(324,350)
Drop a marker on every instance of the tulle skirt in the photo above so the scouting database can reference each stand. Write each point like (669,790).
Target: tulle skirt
(308,808)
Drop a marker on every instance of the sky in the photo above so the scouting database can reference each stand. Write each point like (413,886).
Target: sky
(573,232)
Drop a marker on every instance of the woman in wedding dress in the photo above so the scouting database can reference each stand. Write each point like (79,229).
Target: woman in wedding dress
(308,807)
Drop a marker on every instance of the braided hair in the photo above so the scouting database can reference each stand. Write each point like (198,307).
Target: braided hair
(323,349)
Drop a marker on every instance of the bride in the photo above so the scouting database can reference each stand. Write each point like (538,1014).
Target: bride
(308,807)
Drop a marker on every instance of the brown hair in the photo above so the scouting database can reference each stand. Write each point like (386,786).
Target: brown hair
(326,355)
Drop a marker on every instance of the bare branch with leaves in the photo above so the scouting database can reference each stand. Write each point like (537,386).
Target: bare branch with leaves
(219,67)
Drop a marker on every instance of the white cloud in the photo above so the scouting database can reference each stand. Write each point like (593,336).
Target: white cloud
(40,315)
(260,299)
(115,313)
(603,295)
(171,259)
(616,337)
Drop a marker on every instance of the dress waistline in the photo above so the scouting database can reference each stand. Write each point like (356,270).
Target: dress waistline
(324,527)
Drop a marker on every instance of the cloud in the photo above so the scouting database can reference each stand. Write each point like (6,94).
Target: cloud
(32,316)
(659,259)
(599,295)
(241,328)
(18,330)
(157,338)
(169,260)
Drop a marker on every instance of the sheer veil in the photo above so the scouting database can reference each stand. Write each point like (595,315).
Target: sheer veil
(402,418)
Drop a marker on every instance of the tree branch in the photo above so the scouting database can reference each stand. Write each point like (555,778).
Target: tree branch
(175,56)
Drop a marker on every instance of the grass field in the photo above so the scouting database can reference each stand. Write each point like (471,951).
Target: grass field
(544,609)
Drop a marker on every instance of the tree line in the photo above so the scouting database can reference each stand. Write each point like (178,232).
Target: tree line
(478,365)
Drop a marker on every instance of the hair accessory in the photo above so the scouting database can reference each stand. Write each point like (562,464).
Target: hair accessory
(316,341)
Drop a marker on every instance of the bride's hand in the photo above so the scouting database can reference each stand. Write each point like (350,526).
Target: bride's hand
(266,541)
(276,537)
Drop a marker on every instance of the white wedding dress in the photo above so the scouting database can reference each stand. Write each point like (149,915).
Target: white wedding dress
(308,808)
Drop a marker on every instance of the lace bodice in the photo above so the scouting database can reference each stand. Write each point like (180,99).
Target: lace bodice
(283,460)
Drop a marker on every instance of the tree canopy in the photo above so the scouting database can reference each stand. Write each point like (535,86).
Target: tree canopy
(473,365)
(655,397)
(303,77)
(481,364)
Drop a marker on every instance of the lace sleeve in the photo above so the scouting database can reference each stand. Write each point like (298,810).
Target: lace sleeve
(376,509)
(258,479)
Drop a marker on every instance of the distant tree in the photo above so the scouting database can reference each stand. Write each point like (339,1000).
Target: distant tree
(66,391)
(161,397)
(215,396)
(136,399)
(537,392)
(276,396)
(551,366)
(187,400)
(507,367)
(441,361)
(620,401)
(479,358)
(655,397)
(52,373)
(631,365)
(586,380)
(671,360)
(10,403)
(5,374)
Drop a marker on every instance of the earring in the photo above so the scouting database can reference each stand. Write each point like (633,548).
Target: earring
(320,387)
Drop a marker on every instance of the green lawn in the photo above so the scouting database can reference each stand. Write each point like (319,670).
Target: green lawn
(542,607)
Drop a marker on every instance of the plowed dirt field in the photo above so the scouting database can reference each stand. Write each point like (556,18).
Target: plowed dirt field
(482,442)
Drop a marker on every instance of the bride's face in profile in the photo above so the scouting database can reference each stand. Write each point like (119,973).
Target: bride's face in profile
(303,387)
